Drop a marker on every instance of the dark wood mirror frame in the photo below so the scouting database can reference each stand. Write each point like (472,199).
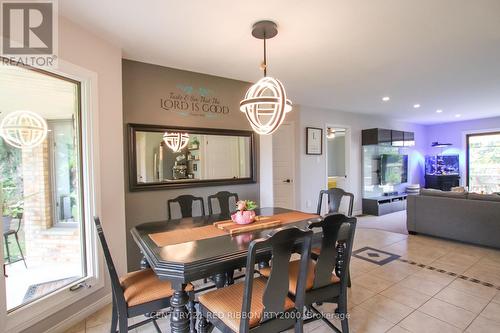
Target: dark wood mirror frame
(132,157)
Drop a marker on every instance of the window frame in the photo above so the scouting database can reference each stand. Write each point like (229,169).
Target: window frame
(467,149)
(29,314)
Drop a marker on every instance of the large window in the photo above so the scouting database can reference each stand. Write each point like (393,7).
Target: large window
(40,184)
(483,162)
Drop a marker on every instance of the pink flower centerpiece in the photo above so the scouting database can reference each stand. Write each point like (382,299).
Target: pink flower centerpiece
(245,213)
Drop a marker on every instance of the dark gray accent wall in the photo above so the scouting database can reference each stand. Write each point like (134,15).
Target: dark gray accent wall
(144,86)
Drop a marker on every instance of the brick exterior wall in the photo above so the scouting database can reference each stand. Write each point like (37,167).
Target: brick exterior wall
(43,241)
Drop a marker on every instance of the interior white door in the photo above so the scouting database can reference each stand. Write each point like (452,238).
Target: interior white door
(283,166)
(220,145)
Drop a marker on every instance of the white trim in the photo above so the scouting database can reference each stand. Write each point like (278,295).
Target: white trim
(35,312)
(357,212)
(67,323)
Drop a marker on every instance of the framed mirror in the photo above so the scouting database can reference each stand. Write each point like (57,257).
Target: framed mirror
(178,157)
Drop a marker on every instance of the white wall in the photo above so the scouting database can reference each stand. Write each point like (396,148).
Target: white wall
(83,49)
(312,169)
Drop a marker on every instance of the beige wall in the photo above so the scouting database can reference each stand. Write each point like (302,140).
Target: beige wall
(144,85)
(81,48)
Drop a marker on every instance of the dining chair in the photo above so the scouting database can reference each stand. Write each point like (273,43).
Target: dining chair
(323,286)
(8,231)
(186,204)
(223,198)
(335,196)
(259,304)
(137,293)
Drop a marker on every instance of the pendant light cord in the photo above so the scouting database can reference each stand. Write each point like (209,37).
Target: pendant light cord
(265,57)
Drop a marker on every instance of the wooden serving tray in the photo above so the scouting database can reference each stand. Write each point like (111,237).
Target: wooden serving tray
(233,228)
(263,222)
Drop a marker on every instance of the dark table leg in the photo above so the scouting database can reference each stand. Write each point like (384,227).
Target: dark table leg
(263,264)
(144,263)
(179,319)
(192,315)
(220,280)
(204,326)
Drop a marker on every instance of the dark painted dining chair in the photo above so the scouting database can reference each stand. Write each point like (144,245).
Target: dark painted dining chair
(260,304)
(323,286)
(137,293)
(223,198)
(335,196)
(186,204)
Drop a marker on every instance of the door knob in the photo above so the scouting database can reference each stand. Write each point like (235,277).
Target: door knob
(287,181)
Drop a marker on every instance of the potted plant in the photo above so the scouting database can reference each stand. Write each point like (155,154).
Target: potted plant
(245,213)
(10,212)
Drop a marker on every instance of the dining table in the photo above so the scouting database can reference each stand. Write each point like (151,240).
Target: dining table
(189,249)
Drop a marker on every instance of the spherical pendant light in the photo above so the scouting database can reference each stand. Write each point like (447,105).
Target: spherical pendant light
(265,103)
(176,140)
(23,129)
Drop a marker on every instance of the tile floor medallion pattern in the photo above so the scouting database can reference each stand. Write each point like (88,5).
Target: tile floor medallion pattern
(430,288)
(375,256)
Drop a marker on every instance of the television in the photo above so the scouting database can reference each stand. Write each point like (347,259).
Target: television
(393,169)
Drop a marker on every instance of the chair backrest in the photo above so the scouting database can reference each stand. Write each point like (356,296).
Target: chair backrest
(19,222)
(186,204)
(282,242)
(336,248)
(335,196)
(115,281)
(223,199)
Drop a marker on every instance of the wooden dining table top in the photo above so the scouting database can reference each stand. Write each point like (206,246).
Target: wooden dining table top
(193,260)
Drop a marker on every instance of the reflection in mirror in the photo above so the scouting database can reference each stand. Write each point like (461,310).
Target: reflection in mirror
(178,156)
(336,157)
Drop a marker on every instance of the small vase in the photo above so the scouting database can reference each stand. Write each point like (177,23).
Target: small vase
(243,217)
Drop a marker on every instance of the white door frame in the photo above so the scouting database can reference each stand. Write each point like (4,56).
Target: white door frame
(32,313)
(347,154)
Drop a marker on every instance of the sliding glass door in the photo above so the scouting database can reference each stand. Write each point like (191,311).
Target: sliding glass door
(483,162)
(40,185)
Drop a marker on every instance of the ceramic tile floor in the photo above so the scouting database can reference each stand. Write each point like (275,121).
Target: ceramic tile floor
(401,297)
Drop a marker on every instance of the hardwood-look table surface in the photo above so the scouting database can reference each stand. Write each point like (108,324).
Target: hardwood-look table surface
(190,261)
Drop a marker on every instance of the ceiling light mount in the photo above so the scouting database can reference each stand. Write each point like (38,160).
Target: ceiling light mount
(264,30)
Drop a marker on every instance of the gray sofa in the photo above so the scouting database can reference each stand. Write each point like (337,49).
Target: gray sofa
(467,217)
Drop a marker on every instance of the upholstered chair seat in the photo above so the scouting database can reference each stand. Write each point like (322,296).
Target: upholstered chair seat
(144,286)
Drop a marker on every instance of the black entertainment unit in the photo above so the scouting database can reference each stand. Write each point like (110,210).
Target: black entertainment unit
(442,182)
(384,205)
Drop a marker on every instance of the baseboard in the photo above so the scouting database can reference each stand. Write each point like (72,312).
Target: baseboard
(357,212)
(80,315)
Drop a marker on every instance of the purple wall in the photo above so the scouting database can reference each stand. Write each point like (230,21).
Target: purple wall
(454,133)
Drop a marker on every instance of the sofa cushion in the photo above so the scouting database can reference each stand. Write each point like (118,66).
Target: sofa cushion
(438,193)
(486,197)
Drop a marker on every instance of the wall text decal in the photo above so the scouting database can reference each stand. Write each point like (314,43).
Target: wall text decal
(194,102)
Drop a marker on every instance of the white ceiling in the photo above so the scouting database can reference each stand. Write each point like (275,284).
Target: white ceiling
(337,54)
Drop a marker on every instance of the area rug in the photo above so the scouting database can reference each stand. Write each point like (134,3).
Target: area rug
(41,289)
